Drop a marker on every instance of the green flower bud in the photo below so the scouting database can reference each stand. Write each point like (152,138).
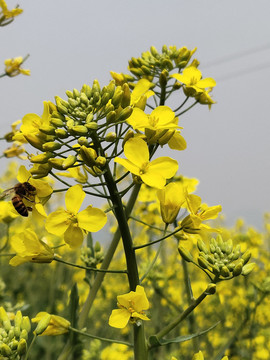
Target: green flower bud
(43,324)
(202,247)
(215,269)
(154,51)
(17,331)
(69,161)
(186,255)
(84,98)
(163,78)
(56,163)
(92,125)
(7,325)
(11,333)
(126,96)
(76,93)
(34,140)
(57,115)
(145,69)
(41,170)
(111,88)
(100,161)
(246,256)
(97,246)
(51,146)
(129,134)
(117,97)
(41,158)
(22,347)
(87,90)
(47,129)
(203,262)
(13,344)
(61,133)
(238,269)
(79,130)
(24,334)
(108,108)
(96,98)
(136,72)
(182,64)
(18,319)
(57,122)
(247,269)
(26,323)
(111,117)
(88,155)
(105,98)
(89,118)
(224,271)
(125,113)
(96,86)
(5,350)
(110,137)
(83,141)
(62,109)
(69,93)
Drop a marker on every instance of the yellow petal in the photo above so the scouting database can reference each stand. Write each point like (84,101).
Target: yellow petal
(74,198)
(23,174)
(119,318)
(57,222)
(128,165)
(91,219)
(73,236)
(136,151)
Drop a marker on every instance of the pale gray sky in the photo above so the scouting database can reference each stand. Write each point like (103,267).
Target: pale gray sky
(74,42)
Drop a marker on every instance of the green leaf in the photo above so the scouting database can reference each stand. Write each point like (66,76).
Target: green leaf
(154,341)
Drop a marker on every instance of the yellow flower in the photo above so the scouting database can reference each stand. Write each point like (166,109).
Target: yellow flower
(192,79)
(205,99)
(15,150)
(160,118)
(74,224)
(75,173)
(171,198)
(13,67)
(53,324)
(7,212)
(9,13)
(131,308)
(30,248)
(153,173)
(199,213)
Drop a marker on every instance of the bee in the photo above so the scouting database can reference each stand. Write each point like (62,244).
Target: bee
(21,191)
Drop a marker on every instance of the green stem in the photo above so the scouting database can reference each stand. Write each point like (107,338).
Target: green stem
(182,316)
(89,268)
(156,241)
(100,338)
(106,262)
(32,343)
(191,106)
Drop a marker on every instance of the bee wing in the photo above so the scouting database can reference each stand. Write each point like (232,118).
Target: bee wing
(6,193)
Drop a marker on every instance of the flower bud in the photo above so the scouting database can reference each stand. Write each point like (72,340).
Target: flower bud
(47,129)
(76,93)
(238,269)
(163,78)
(69,161)
(105,98)
(186,255)
(56,163)
(247,269)
(154,51)
(100,161)
(202,247)
(136,72)
(79,130)
(43,324)
(22,347)
(84,98)
(41,158)
(57,122)
(246,256)
(111,117)
(211,289)
(5,350)
(125,113)
(83,141)
(40,170)
(203,262)
(34,140)
(117,97)
(18,319)
(26,323)
(111,88)
(129,134)
(51,146)
(89,118)
(88,155)
(166,137)
(92,125)
(61,133)
(110,137)
(24,334)
(224,271)
(126,96)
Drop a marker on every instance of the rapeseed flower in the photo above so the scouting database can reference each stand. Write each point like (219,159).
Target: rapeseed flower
(13,67)
(74,224)
(9,13)
(192,79)
(153,173)
(53,324)
(30,248)
(131,308)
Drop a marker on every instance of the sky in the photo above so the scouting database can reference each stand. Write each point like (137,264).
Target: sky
(72,43)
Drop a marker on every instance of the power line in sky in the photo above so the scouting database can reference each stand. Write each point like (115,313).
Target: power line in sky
(243,72)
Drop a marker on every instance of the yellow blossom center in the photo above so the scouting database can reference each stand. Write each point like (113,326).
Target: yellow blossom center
(144,167)
(153,121)
(193,81)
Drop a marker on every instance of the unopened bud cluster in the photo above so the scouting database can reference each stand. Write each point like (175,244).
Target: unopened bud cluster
(13,335)
(221,259)
(92,256)
(76,121)
(170,58)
